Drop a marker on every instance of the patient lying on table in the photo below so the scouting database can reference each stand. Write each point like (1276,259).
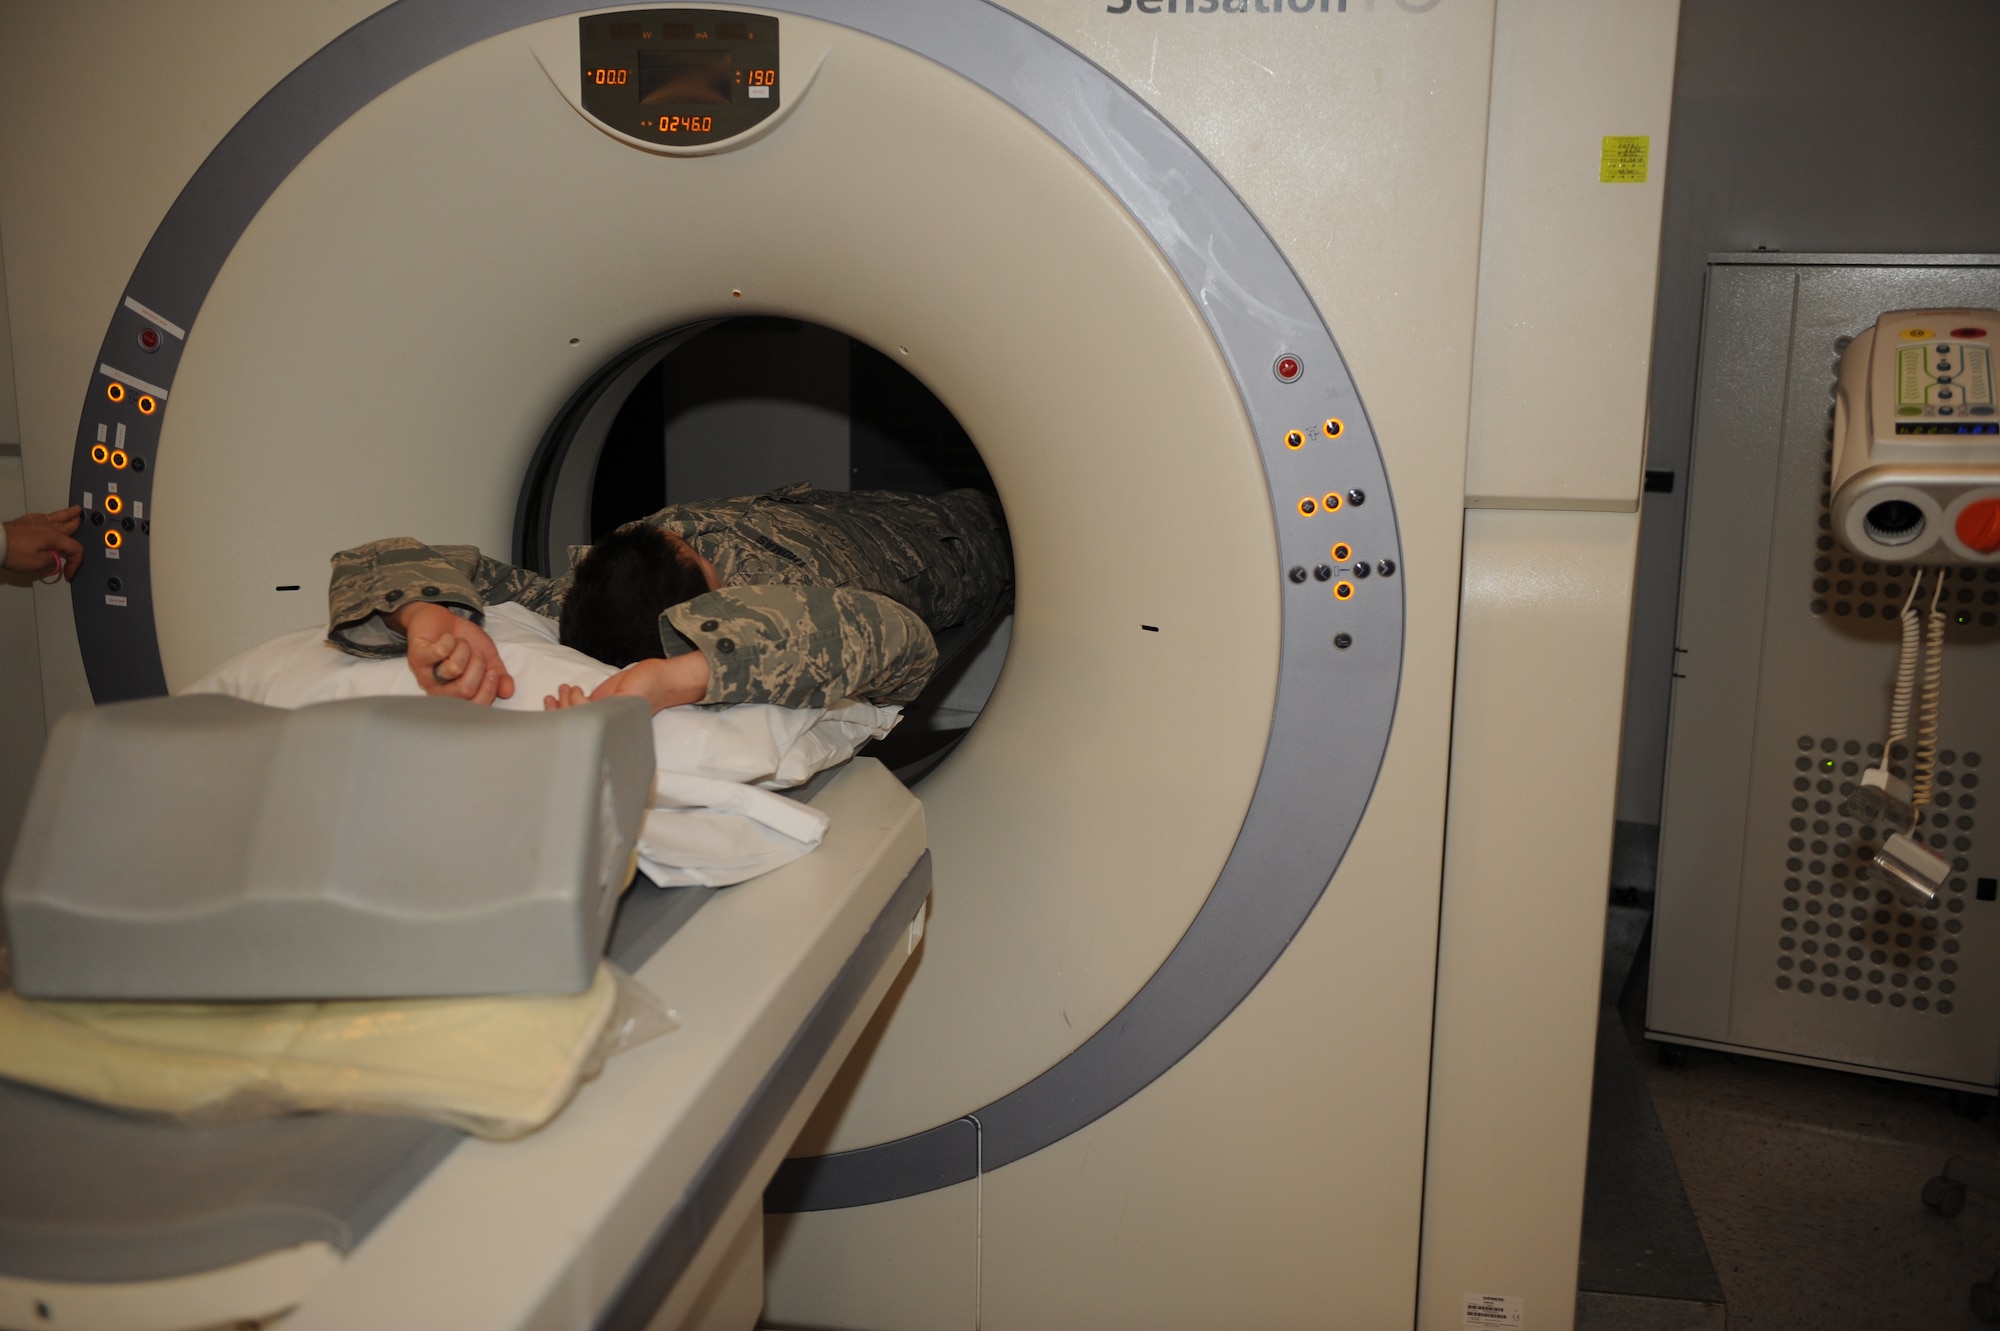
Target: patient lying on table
(798,598)
(811,612)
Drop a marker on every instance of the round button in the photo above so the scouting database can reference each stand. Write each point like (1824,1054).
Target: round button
(1288,368)
(1323,572)
(725,644)
(1357,497)
(125,523)
(1944,395)
(1968,332)
(710,625)
(1343,591)
(112,584)
(1308,506)
(1297,573)
(138,463)
(1343,641)
(96,518)
(393,594)
(149,339)
(430,591)
(1979,525)
(1385,567)
(1341,552)
(1361,570)
(1295,439)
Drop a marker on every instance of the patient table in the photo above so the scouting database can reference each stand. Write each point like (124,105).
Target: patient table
(638,1206)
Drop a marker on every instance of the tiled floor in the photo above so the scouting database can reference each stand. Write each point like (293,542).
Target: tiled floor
(1805,1184)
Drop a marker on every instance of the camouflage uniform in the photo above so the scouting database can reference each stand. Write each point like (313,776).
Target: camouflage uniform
(823,596)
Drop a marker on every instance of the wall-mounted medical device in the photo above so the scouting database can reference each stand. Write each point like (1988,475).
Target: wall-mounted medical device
(1916,451)
(1825,893)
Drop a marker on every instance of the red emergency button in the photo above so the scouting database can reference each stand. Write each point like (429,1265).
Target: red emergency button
(1979,525)
(1288,369)
(1968,332)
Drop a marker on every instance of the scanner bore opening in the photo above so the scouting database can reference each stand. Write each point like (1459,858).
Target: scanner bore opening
(745,405)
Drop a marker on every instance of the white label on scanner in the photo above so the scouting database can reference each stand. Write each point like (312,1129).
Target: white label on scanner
(114,600)
(111,487)
(1489,1311)
(110,554)
(760,90)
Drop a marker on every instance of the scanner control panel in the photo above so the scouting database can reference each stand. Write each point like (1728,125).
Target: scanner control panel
(1916,440)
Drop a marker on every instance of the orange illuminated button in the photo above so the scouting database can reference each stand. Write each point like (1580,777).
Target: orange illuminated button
(99,453)
(146,405)
(1342,553)
(115,391)
(113,540)
(1343,590)
(113,504)
(1979,525)
(118,459)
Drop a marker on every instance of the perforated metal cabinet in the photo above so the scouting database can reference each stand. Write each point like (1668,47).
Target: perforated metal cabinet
(1771,936)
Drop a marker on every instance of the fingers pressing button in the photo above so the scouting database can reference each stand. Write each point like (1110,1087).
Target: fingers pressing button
(710,625)
(725,644)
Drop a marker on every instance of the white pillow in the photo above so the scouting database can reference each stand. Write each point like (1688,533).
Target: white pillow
(773,747)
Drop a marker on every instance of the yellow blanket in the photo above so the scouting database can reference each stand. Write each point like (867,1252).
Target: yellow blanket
(498,1067)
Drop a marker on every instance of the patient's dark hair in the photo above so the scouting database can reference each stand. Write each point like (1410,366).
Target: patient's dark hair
(619,588)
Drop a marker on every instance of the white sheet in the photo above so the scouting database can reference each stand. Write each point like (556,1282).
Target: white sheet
(712,820)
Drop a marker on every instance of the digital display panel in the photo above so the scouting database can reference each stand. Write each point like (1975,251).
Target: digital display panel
(1947,427)
(686,78)
(680,76)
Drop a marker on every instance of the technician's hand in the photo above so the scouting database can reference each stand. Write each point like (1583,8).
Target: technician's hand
(663,681)
(40,543)
(452,657)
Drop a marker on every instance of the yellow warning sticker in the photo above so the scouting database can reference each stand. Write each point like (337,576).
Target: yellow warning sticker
(1624,160)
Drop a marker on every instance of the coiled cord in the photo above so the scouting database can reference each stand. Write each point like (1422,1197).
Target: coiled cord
(1906,673)
(1923,772)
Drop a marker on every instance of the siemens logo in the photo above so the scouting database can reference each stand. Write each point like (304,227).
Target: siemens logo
(1258,6)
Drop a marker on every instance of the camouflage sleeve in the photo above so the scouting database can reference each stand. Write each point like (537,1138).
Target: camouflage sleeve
(803,646)
(374,580)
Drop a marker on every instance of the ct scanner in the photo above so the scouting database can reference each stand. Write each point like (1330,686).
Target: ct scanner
(1259,981)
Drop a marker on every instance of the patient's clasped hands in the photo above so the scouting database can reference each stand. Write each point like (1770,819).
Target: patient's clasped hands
(452,657)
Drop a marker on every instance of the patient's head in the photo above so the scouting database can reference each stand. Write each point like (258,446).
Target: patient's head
(612,610)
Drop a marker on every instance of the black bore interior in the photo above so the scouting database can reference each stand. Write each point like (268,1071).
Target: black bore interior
(898,436)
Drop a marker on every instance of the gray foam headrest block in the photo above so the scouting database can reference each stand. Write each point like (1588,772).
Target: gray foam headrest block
(206,848)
